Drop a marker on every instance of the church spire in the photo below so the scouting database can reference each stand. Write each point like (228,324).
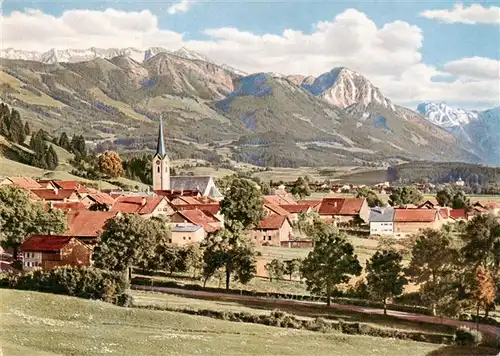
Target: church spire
(160,146)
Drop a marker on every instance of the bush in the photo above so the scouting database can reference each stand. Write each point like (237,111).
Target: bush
(467,337)
(83,282)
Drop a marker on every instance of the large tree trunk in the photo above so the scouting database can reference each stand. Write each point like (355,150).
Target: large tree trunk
(477,317)
(328,295)
(385,306)
(228,276)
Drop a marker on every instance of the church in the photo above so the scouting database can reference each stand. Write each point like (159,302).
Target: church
(164,184)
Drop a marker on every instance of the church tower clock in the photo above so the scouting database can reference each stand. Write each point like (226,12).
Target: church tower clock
(161,164)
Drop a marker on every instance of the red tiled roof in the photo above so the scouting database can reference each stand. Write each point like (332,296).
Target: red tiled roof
(88,223)
(177,193)
(311,203)
(415,215)
(67,184)
(458,214)
(52,194)
(66,206)
(296,208)
(278,199)
(101,198)
(212,208)
(277,209)
(271,222)
(341,206)
(25,182)
(45,243)
(200,218)
(136,204)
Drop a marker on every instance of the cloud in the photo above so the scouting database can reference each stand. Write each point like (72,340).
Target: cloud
(388,55)
(474,68)
(474,14)
(182,6)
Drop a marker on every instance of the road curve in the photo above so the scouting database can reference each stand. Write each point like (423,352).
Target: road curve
(491,330)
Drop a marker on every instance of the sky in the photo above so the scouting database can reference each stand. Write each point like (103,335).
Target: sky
(414,51)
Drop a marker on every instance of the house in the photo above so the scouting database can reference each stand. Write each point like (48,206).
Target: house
(488,207)
(87,225)
(185,234)
(275,209)
(145,206)
(197,217)
(50,251)
(66,206)
(314,204)
(460,214)
(22,182)
(98,198)
(295,209)
(271,230)
(411,221)
(279,199)
(344,210)
(56,194)
(429,204)
(381,221)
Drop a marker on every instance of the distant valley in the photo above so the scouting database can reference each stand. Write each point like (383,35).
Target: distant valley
(218,113)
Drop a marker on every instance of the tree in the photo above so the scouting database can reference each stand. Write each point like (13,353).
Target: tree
(20,218)
(460,201)
(301,188)
(192,254)
(50,157)
(331,262)
(110,164)
(308,224)
(292,267)
(265,188)
(485,293)
(444,197)
(64,141)
(433,264)
(405,195)
(78,146)
(16,128)
(482,243)
(384,275)
(275,269)
(371,197)
(242,203)
(27,129)
(229,250)
(130,240)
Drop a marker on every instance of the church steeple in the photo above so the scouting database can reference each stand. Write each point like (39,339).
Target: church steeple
(160,146)
(161,164)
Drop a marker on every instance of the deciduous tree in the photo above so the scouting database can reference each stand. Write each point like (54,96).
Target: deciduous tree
(405,195)
(230,250)
(130,240)
(485,293)
(371,197)
(292,267)
(20,218)
(110,164)
(275,269)
(384,275)
(242,203)
(331,262)
(301,188)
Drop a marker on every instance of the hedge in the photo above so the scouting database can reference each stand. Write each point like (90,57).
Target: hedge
(310,298)
(83,282)
(282,319)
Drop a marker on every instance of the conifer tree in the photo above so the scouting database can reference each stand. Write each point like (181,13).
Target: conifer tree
(16,128)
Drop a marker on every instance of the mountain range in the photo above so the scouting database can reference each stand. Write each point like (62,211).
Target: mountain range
(223,114)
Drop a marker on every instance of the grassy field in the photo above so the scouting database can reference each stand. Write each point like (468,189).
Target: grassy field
(39,324)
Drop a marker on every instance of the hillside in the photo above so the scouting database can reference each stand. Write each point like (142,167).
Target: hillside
(32,326)
(120,100)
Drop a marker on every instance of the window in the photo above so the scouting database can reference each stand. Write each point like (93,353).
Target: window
(269,237)
(158,169)
(264,238)
(189,237)
(184,237)
(169,241)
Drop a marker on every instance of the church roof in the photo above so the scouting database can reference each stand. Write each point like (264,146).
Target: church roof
(199,183)
(160,146)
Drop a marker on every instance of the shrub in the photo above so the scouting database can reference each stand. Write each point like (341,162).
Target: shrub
(83,282)
(464,336)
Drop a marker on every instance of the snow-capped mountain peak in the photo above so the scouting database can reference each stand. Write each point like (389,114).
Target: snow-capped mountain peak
(445,116)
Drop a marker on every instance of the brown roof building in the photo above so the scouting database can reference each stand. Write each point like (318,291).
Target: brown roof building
(49,251)
(272,230)
(343,210)
(22,182)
